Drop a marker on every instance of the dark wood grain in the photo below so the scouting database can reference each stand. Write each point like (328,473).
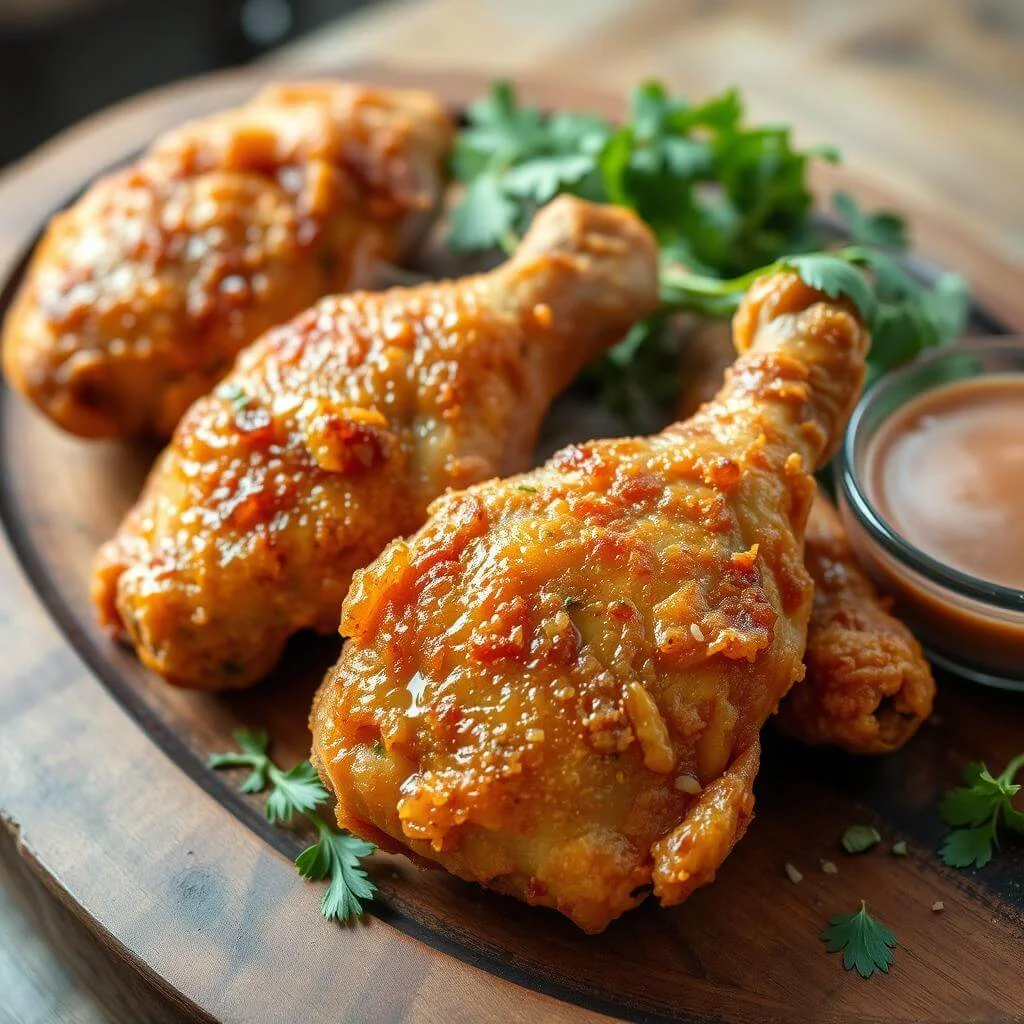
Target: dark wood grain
(102,777)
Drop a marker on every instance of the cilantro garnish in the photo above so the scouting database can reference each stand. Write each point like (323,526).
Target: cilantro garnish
(976,811)
(336,855)
(866,944)
(884,230)
(728,202)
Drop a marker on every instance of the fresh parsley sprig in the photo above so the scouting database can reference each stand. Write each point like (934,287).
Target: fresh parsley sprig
(335,855)
(903,316)
(976,812)
(866,944)
(725,196)
(728,202)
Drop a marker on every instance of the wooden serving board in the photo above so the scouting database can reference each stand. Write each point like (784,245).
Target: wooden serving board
(105,796)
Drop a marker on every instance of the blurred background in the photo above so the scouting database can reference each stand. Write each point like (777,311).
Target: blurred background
(63,59)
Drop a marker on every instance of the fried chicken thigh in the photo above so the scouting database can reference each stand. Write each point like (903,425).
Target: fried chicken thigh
(334,432)
(141,294)
(868,685)
(556,687)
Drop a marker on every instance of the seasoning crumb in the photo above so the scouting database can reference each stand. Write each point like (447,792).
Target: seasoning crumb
(899,849)
(688,784)
(938,906)
(697,632)
(534,735)
(793,875)
(829,867)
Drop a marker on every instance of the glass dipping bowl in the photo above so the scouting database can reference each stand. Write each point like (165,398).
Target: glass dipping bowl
(969,625)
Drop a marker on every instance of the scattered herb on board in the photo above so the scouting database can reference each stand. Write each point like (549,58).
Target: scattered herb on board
(858,838)
(727,201)
(976,812)
(336,855)
(866,944)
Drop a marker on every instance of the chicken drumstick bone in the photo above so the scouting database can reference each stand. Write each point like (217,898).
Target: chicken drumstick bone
(556,687)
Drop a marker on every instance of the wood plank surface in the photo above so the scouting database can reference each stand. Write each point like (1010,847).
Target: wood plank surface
(889,105)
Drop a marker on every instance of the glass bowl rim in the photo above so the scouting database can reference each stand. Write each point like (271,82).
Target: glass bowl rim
(874,523)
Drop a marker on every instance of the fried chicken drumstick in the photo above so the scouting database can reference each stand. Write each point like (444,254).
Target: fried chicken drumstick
(141,294)
(333,434)
(556,687)
(868,685)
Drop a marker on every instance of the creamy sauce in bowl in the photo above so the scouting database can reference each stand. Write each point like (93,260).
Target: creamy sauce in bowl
(947,472)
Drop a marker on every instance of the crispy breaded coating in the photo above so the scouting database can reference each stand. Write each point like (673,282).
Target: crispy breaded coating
(334,432)
(556,687)
(139,296)
(868,686)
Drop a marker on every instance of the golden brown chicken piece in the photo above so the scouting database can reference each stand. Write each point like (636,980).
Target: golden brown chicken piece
(556,686)
(141,294)
(333,434)
(868,685)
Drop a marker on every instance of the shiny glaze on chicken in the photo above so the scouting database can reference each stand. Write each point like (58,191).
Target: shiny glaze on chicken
(556,686)
(333,434)
(141,294)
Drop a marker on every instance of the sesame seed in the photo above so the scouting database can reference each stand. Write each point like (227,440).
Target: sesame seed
(688,784)
(697,632)
(829,868)
(793,875)
(938,906)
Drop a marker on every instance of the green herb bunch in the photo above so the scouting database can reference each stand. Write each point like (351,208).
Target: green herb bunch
(727,203)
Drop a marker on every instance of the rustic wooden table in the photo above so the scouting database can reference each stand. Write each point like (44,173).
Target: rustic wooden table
(926,96)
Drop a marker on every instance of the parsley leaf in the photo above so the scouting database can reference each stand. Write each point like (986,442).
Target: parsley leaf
(866,944)
(253,755)
(485,217)
(903,316)
(884,230)
(858,838)
(543,177)
(975,812)
(336,855)
(836,278)
(298,790)
(727,202)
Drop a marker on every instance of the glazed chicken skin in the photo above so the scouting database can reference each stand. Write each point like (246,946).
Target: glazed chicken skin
(868,685)
(556,687)
(334,433)
(141,294)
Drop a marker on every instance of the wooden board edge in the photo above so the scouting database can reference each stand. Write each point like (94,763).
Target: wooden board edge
(174,884)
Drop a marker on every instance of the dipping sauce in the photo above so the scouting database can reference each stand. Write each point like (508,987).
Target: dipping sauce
(931,488)
(947,472)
